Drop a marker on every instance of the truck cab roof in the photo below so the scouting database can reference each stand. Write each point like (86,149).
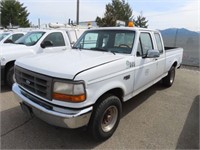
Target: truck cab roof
(125,28)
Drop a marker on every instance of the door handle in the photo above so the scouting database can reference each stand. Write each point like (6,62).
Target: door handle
(155,59)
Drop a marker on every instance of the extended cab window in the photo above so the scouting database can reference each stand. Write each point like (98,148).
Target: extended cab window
(159,42)
(145,44)
(116,41)
(56,39)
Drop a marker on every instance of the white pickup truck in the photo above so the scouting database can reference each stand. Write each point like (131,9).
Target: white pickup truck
(87,85)
(10,37)
(35,42)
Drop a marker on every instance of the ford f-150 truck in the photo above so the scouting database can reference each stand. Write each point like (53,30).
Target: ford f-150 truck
(35,42)
(87,85)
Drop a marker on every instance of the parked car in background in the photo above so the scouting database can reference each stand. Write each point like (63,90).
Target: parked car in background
(35,42)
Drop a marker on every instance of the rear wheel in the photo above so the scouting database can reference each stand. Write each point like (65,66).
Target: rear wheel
(10,77)
(169,79)
(105,117)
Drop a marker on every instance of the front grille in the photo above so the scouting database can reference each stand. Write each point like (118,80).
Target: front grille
(36,83)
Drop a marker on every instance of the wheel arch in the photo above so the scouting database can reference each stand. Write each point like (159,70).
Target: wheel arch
(9,65)
(175,64)
(119,92)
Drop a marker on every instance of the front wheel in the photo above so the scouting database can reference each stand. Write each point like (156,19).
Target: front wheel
(169,79)
(105,117)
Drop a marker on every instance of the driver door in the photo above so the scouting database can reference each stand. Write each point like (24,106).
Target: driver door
(145,67)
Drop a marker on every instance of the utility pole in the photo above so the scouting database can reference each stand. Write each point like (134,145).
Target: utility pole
(39,23)
(77,13)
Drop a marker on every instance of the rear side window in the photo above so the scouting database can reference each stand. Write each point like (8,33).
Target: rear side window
(145,44)
(56,38)
(158,42)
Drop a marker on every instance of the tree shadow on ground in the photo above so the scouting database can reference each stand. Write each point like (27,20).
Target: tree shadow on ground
(189,137)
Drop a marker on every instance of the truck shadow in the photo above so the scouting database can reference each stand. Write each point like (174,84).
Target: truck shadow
(23,132)
(189,137)
(134,102)
(32,133)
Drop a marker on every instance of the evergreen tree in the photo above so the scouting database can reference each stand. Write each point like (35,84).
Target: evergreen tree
(117,10)
(141,21)
(13,13)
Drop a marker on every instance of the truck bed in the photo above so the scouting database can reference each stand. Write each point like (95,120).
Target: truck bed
(170,48)
(173,54)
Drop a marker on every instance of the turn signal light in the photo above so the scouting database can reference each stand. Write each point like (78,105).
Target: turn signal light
(69,98)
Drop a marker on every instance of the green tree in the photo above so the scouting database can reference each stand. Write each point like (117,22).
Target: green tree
(14,13)
(141,21)
(117,10)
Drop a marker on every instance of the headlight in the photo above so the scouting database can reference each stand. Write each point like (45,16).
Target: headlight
(71,92)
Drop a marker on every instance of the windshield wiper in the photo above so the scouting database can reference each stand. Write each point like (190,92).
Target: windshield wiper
(101,49)
(19,43)
(75,47)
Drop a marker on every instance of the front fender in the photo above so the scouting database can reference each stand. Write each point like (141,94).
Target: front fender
(96,90)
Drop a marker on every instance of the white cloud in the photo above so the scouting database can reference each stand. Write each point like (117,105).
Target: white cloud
(61,11)
(185,17)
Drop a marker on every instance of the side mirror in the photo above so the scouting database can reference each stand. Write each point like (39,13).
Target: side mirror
(152,54)
(46,44)
(8,41)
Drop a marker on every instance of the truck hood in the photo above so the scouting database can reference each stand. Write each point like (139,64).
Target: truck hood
(12,48)
(66,64)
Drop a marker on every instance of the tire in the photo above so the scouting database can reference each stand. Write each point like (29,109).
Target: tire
(169,79)
(105,118)
(10,77)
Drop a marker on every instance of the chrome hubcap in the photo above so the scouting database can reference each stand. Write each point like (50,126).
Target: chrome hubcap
(109,118)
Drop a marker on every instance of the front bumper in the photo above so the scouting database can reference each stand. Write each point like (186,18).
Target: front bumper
(69,119)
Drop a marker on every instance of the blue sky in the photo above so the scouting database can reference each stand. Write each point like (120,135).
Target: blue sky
(161,14)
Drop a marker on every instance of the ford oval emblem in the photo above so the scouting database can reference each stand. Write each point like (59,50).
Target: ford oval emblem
(28,82)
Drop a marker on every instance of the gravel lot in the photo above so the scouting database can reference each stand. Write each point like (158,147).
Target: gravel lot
(158,118)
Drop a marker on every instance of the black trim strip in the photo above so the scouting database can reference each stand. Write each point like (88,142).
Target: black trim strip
(95,67)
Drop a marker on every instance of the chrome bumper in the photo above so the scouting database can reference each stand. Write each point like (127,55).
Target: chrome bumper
(68,119)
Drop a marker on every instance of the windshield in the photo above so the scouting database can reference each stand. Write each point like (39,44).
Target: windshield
(3,35)
(116,41)
(30,38)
